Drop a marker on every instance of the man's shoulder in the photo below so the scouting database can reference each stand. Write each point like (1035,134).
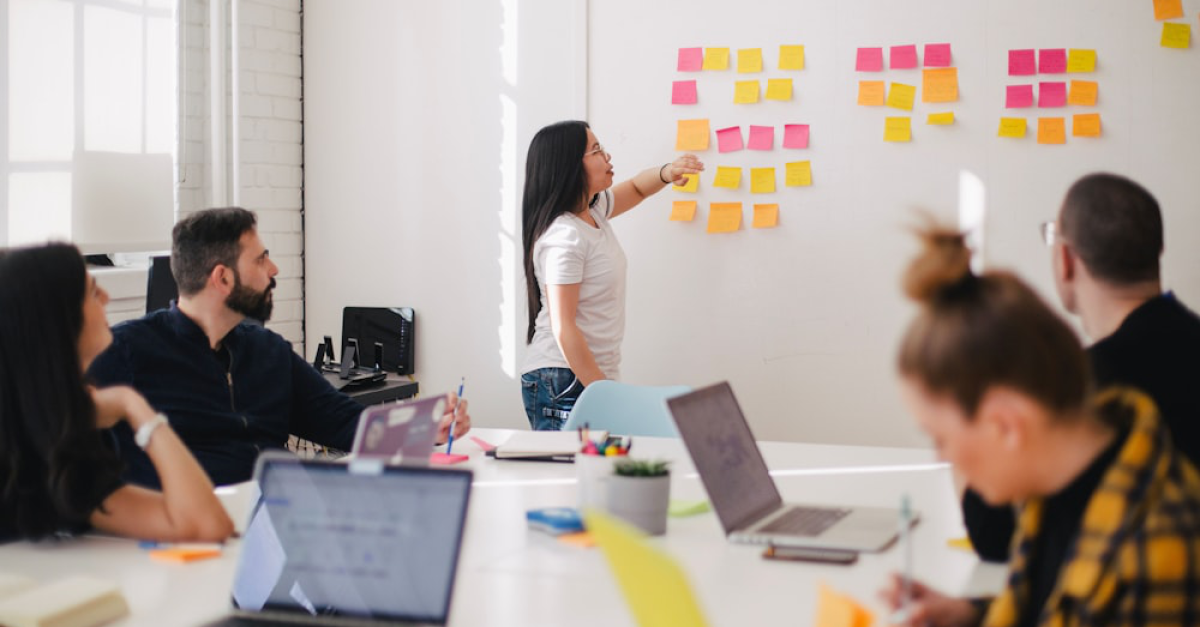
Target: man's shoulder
(151,324)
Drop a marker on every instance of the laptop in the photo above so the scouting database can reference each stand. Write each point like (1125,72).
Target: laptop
(745,497)
(350,544)
(399,433)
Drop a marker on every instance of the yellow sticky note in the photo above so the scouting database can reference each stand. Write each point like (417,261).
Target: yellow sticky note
(939,85)
(962,544)
(901,96)
(871,93)
(749,60)
(839,610)
(1168,9)
(798,174)
(724,217)
(683,210)
(762,180)
(654,585)
(745,92)
(728,177)
(779,89)
(940,119)
(1052,131)
(897,129)
(1012,127)
(716,59)
(691,184)
(765,216)
(1176,35)
(791,57)
(1081,60)
(1085,125)
(1082,93)
(691,135)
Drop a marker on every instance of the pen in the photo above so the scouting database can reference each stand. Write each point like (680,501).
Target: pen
(454,418)
(905,611)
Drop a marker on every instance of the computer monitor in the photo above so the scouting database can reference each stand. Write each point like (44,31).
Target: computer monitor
(394,327)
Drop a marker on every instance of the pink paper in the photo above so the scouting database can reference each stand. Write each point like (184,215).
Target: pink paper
(762,137)
(869,60)
(1019,96)
(484,445)
(795,136)
(1052,94)
(683,92)
(904,57)
(445,459)
(729,139)
(690,59)
(1052,61)
(938,55)
(1022,62)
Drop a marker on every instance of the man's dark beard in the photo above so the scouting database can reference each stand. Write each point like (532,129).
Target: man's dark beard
(249,303)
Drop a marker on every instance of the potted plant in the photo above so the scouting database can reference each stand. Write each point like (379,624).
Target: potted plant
(639,492)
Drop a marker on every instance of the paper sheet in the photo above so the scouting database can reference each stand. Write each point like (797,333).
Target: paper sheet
(724,217)
(897,129)
(690,60)
(716,59)
(901,96)
(798,174)
(903,57)
(940,119)
(1052,131)
(779,89)
(749,60)
(762,180)
(683,92)
(871,93)
(795,136)
(791,57)
(1082,93)
(728,177)
(1012,127)
(938,55)
(939,85)
(1176,35)
(691,135)
(839,610)
(691,184)
(1052,95)
(1022,62)
(1081,60)
(1018,96)
(869,60)
(1085,125)
(1168,9)
(762,137)
(683,210)
(765,216)
(1052,60)
(729,139)
(745,92)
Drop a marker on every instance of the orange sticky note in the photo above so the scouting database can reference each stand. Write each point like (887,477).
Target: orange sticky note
(791,57)
(939,85)
(898,129)
(1083,93)
(766,216)
(1081,60)
(581,539)
(871,93)
(745,92)
(728,177)
(798,174)
(1012,127)
(1052,131)
(779,89)
(762,180)
(901,96)
(1085,125)
(749,60)
(184,554)
(1176,35)
(716,59)
(839,610)
(691,183)
(724,217)
(1168,9)
(691,135)
(683,210)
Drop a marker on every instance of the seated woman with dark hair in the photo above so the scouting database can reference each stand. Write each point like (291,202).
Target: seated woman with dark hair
(58,473)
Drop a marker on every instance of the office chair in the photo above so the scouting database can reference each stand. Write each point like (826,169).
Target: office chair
(624,409)
(161,290)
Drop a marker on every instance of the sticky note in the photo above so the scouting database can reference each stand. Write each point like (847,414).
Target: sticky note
(1052,95)
(1052,131)
(745,92)
(940,119)
(795,136)
(185,554)
(869,60)
(749,60)
(903,57)
(728,177)
(683,210)
(691,183)
(1012,127)
(1018,96)
(447,459)
(1083,93)
(939,85)
(938,55)
(871,93)
(691,135)
(963,544)
(716,59)
(901,96)
(765,216)
(1052,61)
(798,174)
(1168,9)
(581,539)
(762,137)
(791,57)
(839,610)
(762,180)
(779,89)
(682,508)
(724,217)
(897,129)
(1085,125)
(1082,60)
(1176,35)
(1022,62)
(683,92)
(690,59)
(729,139)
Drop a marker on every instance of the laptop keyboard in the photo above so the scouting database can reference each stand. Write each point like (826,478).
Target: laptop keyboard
(804,521)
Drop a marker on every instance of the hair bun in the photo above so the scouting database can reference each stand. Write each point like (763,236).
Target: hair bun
(943,264)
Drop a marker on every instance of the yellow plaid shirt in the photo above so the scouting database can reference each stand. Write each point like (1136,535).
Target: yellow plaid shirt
(1136,560)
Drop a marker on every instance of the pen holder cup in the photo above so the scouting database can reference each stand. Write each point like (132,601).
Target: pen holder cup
(641,501)
(594,473)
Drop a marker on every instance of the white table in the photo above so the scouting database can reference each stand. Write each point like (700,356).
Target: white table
(509,575)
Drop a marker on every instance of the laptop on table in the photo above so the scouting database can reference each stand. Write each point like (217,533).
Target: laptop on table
(399,433)
(748,504)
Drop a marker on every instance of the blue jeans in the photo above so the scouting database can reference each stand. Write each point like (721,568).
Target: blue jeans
(549,395)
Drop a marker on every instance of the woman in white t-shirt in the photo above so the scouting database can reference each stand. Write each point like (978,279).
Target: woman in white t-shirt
(574,265)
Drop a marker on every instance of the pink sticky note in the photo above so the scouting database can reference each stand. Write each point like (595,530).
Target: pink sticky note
(1022,62)
(1052,94)
(1019,96)
(903,57)
(1052,61)
(869,60)
(683,92)
(795,136)
(690,59)
(762,137)
(445,459)
(938,55)
(484,445)
(729,139)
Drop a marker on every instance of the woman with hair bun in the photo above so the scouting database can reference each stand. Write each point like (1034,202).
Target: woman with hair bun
(1109,524)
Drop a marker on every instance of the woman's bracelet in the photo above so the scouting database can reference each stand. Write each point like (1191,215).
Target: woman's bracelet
(660,176)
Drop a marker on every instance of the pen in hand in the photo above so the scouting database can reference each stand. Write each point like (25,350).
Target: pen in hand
(454,417)
(904,613)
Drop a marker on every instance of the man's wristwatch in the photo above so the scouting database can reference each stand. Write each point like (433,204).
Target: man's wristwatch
(142,437)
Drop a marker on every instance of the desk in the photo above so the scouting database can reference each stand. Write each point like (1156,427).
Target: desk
(394,388)
(509,575)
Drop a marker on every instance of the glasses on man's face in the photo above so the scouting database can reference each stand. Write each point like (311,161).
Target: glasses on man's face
(1049,232)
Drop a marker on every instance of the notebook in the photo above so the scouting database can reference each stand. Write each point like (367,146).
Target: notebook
(350,544)
(742,492)
(399,433)
(543,445)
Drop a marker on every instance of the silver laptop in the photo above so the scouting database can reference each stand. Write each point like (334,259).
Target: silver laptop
(744,495)
(399,433)
(350,544)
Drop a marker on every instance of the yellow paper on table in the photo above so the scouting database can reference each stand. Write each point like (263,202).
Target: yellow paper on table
(901,96)
(762,180)
(652,582)
(779,89)
(691,184)
(871,93)
(1082,93)
(766,216)
(1168,9)
(1085,125)
(962,544)
(1081,60)
(683,210)
(1176,35)
(1012,127)
(749,60)
(724,217)
(791,57)
(839,610)
(939,85)
(745,92)
(1052,131)
(728,177)
(897,129)
(691,135)
(716,59)
(940,119)
(798,174)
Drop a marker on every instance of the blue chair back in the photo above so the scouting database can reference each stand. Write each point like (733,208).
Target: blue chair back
(624,409)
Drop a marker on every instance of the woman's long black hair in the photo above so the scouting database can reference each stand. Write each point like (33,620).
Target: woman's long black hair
(54,465)
(555,183)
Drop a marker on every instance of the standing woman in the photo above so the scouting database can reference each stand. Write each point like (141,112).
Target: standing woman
(574,265)
(58,473)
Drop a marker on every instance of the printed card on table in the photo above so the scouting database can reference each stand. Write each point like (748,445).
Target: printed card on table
(872,93)
(690,60)
(1052,131)
(1085,125)
(762,137)
(1052,61)
(1176,36)
(716,59)
(798,174)
(903,57)
(1081,60)
(869,60)
(795,136)
(749,60)
(779,89)
(938,55)
(1082,93)
(1168,9)
(1018,96)
(683,210)
(1052,95)
(897,129)
(901,96)
(683,92)
(745,92)
(1022,62)
(791,57)
(762,180)
(729,139)
(1012,127)
(766,216)
(939,85)
(728,177)
(724,217)
(691,135)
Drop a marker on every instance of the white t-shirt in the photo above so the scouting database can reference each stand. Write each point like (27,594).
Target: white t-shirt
(573,251)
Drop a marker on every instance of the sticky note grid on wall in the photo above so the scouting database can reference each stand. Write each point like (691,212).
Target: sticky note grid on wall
(938,85)
(1048,72)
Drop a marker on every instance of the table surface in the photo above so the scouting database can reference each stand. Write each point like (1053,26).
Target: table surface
(510,575)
